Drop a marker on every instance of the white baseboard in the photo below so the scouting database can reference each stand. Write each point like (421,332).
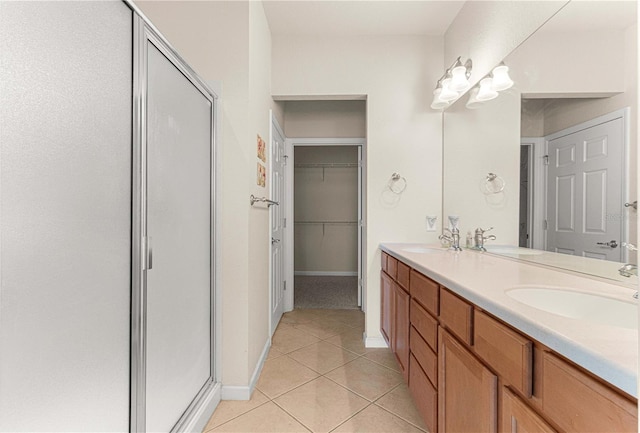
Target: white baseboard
(326,273)
(201,415)
(244,392)
(235,392)
(375,341)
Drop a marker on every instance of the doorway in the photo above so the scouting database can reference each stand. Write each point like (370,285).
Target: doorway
(327,214)
(577,182)
(586,184)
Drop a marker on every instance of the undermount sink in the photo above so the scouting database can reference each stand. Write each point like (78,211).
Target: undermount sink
(422,250)
(579,305)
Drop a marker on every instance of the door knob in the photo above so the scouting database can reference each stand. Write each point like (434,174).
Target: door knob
(610,244)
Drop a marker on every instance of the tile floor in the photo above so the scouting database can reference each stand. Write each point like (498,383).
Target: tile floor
(319,377)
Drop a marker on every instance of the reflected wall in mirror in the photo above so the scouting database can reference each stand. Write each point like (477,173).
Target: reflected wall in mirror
(575,100)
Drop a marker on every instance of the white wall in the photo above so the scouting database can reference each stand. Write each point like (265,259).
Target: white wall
(397,74)
(325,119)
(229,42)
(259,241)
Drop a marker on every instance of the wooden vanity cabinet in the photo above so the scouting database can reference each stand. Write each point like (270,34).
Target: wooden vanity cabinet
(394,313)
(467,371)
(386,306)
(424,394)
(467,390)
(456,315)
(506,351)
(517,417)
(401,330)
(577,402)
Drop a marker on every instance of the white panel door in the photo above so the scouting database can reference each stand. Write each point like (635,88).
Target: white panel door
(277,226)
(584,196)
(65,212)
(178,214)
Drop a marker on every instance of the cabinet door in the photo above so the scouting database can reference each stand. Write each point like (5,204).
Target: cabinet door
(401,329)
(386,306)
(517,417)
(467,400)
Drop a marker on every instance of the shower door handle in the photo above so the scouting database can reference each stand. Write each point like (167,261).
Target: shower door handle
(148,254)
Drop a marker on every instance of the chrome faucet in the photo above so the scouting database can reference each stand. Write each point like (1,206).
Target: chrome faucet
(453,237)
(479,238)
(628,269)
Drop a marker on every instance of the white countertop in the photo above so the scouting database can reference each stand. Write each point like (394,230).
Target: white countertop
(607,351)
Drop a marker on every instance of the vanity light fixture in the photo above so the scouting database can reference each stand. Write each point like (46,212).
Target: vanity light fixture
(473,99)
(486,92)
(460,75)
(451,84)
(500,78)
(437,103)
(448,94)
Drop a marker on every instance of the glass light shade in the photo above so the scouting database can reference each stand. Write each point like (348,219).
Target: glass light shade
(437,103)
(501,80)
(473,99)
(459,81)
(447,94)
(486,93)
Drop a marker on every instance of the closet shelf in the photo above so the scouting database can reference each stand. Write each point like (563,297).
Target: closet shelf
(324,224)
(327,222)
(327,165)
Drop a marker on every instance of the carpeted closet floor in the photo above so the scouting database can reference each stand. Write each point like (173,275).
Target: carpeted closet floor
(330,292)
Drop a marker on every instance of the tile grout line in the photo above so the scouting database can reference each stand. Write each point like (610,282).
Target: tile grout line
(238,416)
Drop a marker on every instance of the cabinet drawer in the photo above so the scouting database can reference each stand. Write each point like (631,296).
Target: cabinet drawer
(508,352)
(392,267)
(403,275)
(424,291)
(456,314)
(576,402)
(426,357)
(424,394)
(425,324)
(383,261)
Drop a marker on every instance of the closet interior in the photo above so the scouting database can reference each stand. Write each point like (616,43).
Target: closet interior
(326,205)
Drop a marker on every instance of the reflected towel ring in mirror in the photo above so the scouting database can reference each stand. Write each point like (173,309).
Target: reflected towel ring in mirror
(492,184)
(397,184)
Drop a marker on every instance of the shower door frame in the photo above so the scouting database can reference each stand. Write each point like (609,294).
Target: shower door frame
(209,395)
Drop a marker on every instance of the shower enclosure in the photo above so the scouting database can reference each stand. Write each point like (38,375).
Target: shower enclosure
(107,224)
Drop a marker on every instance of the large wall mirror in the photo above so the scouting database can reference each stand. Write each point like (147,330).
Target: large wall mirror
(562,144)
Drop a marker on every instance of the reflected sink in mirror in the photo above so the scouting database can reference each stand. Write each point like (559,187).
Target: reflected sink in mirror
(578,305)
(423,250)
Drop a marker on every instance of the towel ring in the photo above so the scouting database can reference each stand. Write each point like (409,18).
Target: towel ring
(397,184)
(493,184)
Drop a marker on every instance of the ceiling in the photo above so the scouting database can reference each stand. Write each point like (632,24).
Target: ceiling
(360,17)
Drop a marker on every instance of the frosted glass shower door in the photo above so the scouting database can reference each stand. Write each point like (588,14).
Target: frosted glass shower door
(178,223)
(65,216)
